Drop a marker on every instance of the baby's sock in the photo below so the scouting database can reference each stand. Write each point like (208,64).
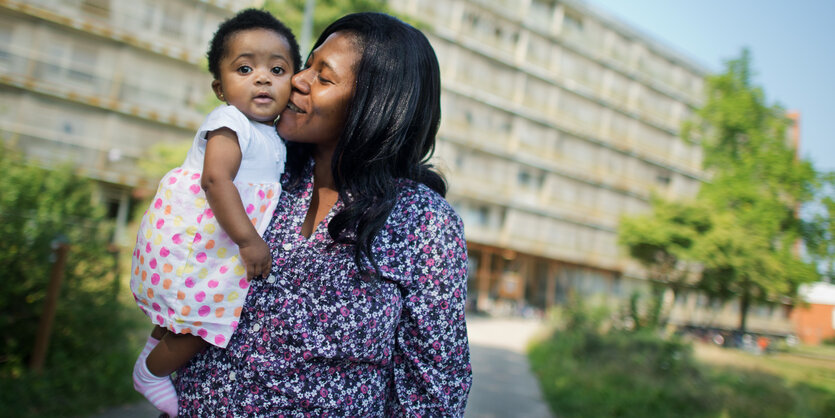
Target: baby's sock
(158,390)
(149,345)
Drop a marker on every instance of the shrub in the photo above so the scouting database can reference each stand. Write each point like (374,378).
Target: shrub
(90,358)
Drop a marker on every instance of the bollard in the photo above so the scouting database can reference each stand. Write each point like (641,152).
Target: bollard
(49,305)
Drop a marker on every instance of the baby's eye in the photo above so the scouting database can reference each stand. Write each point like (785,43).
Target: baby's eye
(278,70)
(244,69)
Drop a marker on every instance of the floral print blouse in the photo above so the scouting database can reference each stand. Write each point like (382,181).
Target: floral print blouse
(317,338)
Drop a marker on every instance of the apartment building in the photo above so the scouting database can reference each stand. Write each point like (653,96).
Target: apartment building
(96,83)
(558,119)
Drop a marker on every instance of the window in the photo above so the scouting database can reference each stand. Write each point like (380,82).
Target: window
(572,23)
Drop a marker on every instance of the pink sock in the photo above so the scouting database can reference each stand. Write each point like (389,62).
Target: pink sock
(149,345)
(158,390)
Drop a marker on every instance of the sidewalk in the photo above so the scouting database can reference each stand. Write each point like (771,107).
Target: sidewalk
(503,385)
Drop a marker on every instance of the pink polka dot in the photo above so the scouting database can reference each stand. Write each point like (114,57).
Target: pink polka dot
(164,252)
(250,208)
(223,269)
(244,283)
(189,282)
(155,279)
(201,257)
(219,339)
(209,213)
(170,312)
(158,204)
(172,180)
(195,176)
(213,284)
(153,264)
(197,237)
(261,194)
(160,223)
(177,239)
(194,188)
(202,332)
(204,310)
(156,306)
(159,319)
(148,247)
(200,296)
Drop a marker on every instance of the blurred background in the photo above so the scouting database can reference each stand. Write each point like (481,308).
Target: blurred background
(647,205)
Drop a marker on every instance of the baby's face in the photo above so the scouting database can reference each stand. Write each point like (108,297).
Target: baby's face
(255,74)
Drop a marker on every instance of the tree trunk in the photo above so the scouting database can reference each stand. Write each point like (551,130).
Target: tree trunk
(744,303)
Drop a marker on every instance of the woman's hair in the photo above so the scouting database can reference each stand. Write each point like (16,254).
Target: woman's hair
(390,129)
(245,20)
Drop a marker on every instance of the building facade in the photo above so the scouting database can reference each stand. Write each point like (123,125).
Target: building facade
(557,121)
(95,83)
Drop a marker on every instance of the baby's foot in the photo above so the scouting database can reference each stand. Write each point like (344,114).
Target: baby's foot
(158,390)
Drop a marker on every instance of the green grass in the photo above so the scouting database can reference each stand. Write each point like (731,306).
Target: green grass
(621,374)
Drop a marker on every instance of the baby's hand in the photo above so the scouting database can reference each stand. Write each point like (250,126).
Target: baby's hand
(256,259)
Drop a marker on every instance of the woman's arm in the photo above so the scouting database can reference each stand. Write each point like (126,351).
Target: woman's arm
(432,374)
(220,166)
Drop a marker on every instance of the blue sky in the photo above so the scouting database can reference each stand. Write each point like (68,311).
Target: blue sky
(792,45)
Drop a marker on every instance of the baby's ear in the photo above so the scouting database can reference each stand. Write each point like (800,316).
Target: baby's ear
(218,89)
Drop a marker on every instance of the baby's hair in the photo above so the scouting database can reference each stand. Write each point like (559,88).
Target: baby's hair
(245,20)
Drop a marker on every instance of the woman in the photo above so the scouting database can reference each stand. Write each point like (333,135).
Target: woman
(363,314)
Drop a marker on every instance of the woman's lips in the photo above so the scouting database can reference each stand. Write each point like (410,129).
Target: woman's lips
(294,108)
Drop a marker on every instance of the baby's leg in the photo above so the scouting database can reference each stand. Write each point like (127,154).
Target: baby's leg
(173,352)
(151,376)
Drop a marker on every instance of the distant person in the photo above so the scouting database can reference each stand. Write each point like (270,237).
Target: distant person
(199,243)
(363,314)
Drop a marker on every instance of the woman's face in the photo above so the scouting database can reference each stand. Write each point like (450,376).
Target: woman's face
(318,104)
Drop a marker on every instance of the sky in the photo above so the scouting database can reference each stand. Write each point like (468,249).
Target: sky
(792,45)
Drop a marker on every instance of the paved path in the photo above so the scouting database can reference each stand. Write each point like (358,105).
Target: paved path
(503,385)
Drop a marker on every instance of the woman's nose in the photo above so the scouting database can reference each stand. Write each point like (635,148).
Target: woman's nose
(300,81)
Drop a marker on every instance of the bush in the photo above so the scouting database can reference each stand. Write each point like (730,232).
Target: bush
(586,370)
(90,357)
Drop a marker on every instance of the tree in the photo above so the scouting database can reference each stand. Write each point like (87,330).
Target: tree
(746,241)
(663,242)
(291,12)
(819,226)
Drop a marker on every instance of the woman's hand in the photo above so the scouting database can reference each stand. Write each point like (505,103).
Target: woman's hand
(256,259)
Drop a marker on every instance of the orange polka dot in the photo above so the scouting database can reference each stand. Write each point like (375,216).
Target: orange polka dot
(198,323)
(210,244)
(218,297)
(167,268)
(166,284)
(237,312)
(263,208)
(150,293)
(219,312)
(186,310)
(136,271)
(141,259)
(185,331)
(181,295)
(167,209)
(270,194)
(254,221)
(144,275)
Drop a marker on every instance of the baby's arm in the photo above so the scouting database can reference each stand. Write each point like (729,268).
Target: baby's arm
(221,163)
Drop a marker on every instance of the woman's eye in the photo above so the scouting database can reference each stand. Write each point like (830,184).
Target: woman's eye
(278,70)
(324,80)
(244,69)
